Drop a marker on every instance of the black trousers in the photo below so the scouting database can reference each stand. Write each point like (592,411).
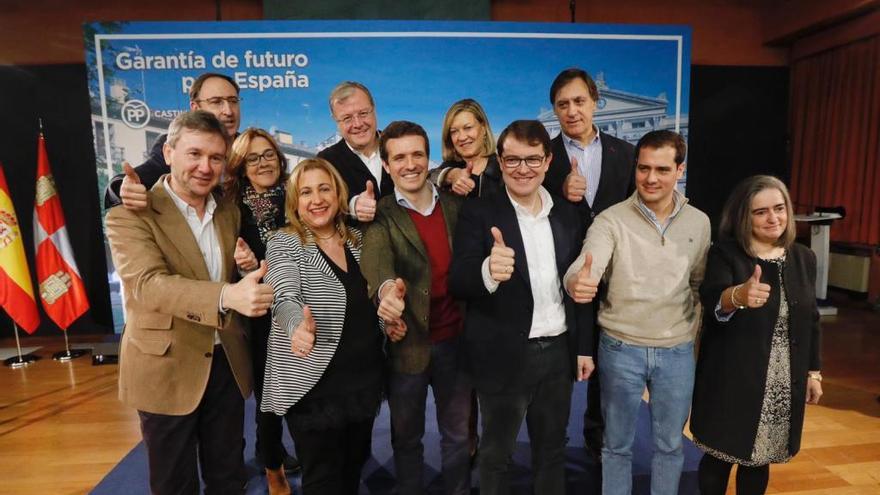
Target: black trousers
(543,397)
(210,437)
(270,428)
(332,459)
(594,424)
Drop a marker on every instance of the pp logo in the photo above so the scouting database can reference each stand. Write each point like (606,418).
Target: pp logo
(135,114)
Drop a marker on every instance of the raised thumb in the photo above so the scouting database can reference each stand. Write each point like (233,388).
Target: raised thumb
(588,264)
(574,166)
(400,287)
(369,191)
(308,319)
(259,273)
(756,276)
(130,173)
(469,169)
(499,239)
(240,244)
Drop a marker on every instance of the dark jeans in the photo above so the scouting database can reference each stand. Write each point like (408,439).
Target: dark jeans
(210,436)
(269,425)
(332,459)
(452,395)
(543,397)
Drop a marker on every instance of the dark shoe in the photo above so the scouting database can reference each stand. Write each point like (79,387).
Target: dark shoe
(593,444)
(291,464)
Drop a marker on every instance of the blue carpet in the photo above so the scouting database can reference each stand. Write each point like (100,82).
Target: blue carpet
(582,474)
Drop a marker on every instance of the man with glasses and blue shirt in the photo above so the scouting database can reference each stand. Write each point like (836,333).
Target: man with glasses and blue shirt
(650,251)
(356,155)
(212,92)
(524,336)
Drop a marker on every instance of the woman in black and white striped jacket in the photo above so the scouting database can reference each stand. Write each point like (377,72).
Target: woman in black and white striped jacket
(325,361)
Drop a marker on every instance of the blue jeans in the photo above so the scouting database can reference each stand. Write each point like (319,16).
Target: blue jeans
(625,372)
(452,395)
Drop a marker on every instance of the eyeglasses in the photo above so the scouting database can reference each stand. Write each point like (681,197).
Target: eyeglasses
(350,119)
(253,159)
(217,101)
(512,162)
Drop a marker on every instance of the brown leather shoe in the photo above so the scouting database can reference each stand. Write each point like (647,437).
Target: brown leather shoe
(277,482)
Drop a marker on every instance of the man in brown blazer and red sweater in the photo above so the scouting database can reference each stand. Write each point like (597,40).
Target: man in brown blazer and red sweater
(406,258)
(184,363)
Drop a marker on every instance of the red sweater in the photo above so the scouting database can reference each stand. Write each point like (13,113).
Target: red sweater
(445,319)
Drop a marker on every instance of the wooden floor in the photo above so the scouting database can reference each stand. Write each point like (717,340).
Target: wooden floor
(62,429)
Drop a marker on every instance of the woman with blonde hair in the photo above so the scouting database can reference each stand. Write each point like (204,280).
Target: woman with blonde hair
(470,166)
(758,363)
(325,360)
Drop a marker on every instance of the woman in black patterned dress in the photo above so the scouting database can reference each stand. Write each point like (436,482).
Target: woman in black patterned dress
(758,362)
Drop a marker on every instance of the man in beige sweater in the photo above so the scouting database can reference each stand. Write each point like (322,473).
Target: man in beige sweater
(650,250)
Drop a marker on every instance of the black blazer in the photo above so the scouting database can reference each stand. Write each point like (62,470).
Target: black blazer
(616,183)
(354,172)
(496,326)
(734,356)
(488,183)
(149,172)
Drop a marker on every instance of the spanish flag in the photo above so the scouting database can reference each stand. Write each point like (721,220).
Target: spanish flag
(61,287)
(16,291)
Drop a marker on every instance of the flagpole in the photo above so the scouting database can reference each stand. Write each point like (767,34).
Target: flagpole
(19,361)
(66,355)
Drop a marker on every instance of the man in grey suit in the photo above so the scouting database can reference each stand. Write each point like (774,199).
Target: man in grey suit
(406,258)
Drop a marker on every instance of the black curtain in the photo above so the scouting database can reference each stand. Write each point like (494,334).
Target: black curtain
(57,94)
(738,128)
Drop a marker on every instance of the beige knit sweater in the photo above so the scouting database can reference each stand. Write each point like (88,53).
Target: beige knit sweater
(652,279)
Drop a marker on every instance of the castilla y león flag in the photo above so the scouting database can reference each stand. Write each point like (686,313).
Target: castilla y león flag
(61,287)
(16,290)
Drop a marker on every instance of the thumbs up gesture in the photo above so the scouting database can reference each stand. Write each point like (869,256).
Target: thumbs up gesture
(303,338)
(575,186)
(461,181)
(755,292)
(245,259)
(365,204)
(132,192)
(391,305)
(249,296)
(583,286)
(501,258)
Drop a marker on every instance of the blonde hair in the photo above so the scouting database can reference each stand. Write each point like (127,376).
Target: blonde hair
(487,147)
(736,218)
(291,202)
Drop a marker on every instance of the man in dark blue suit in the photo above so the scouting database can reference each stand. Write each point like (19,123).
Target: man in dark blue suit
(593,170)
(356,155)
(523,334)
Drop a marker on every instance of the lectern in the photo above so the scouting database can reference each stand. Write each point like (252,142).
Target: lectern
(820,241)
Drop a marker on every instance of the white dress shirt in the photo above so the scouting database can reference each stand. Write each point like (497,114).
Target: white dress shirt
(204,234)
(374,165)
(548,314)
